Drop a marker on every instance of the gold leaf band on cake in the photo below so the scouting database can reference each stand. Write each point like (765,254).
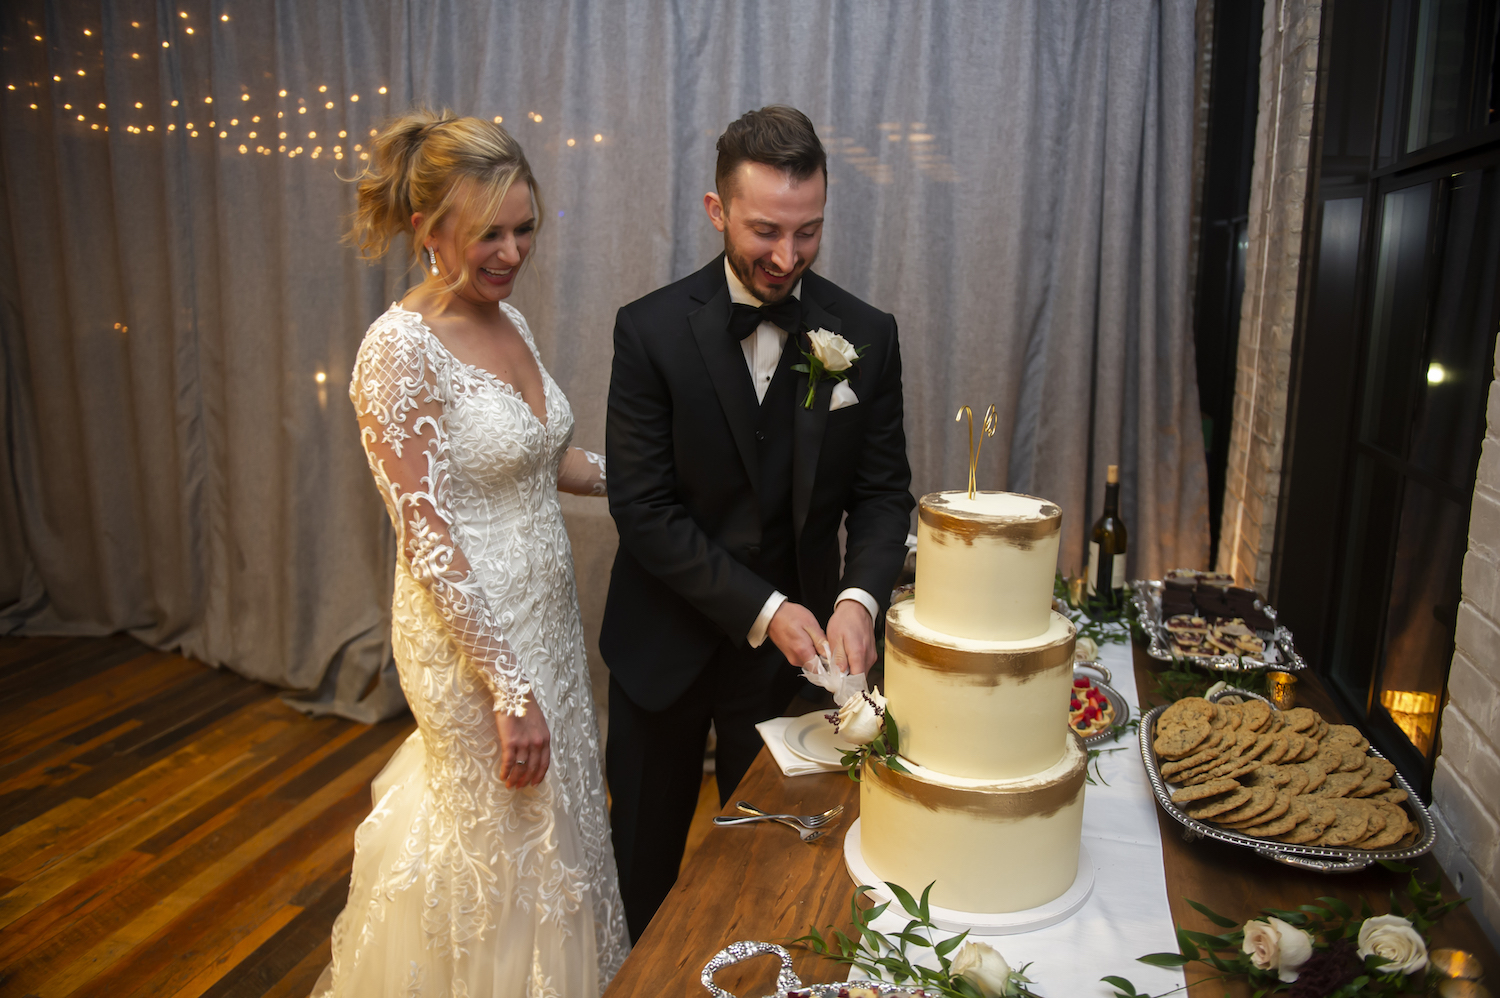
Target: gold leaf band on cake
(983,668)
(997,803)
(968,527)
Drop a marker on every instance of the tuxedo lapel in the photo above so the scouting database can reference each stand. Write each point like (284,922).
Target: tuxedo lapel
(731,378)
(808,424)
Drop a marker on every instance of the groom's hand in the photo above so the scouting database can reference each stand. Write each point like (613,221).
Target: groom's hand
(795,631)
(851,632)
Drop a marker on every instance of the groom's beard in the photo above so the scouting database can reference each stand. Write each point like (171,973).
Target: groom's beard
(744,269)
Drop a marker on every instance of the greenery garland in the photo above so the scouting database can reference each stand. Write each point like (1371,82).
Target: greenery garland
(1321,950)
(976,970)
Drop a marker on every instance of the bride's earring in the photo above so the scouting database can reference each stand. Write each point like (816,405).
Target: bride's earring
(432,260)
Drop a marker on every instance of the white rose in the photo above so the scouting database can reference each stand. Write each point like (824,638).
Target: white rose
(833,351)
(1085,650)
(1393,939)
(860,717)
(1275,945)
(984,968)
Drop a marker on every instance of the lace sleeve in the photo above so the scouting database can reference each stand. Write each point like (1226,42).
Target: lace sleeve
(581,472)
(401,426)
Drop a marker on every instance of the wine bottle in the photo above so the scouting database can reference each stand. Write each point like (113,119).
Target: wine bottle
(1107,546)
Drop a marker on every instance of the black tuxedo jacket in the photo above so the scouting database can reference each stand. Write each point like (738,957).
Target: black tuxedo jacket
(682,460)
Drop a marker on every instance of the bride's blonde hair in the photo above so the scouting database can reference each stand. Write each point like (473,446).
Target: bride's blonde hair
(437,163)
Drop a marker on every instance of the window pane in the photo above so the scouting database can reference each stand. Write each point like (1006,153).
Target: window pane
(1423,606)
(1398,317)
(1449,422)
(1437,105)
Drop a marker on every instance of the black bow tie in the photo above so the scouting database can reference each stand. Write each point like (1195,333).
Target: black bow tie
(786,313)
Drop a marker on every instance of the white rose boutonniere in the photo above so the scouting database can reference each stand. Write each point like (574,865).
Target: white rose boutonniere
(1394,940)
(830,357)
(1274,945)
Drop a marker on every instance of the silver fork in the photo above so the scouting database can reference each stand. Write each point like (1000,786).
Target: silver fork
(789,820)
(806,820)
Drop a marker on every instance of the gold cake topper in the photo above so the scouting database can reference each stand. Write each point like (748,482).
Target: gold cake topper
(986,429)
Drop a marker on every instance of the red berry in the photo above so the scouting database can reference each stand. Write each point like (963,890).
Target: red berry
(1081,684)
(1074,705)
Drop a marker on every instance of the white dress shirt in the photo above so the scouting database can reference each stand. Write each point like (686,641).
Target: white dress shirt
(762,353)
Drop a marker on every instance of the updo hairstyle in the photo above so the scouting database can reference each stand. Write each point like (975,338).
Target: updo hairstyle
(437,163)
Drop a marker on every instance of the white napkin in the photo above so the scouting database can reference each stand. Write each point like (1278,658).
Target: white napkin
(820,672)
(773,733)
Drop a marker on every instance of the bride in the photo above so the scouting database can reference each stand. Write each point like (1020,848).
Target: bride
(485,868)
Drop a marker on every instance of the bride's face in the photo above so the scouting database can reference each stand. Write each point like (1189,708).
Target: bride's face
(495,258)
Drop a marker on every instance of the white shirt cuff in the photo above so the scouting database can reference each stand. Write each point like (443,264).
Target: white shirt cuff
(861,597)
(763,622)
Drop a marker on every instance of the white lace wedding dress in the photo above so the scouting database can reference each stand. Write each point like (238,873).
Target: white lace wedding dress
(462,888)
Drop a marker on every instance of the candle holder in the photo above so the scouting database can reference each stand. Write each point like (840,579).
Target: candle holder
(1456,963)
(1283,689)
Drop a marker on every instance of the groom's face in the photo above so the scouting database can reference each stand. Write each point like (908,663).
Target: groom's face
(772,225)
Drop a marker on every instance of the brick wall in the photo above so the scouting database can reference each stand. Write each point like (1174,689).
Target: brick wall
(1466,785)
(1278,194)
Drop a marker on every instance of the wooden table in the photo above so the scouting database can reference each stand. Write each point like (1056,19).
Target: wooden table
(761,882)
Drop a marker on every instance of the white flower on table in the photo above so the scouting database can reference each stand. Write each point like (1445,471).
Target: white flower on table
(861,718)
(1274,945)
(1394,940)
(1085,650)
(983,966)
(833,351)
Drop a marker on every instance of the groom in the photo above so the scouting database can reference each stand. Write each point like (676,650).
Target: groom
(728,492)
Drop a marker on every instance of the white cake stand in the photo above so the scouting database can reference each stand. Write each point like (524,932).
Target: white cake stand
(980,923)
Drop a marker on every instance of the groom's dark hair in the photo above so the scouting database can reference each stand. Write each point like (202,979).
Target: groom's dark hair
(776,135)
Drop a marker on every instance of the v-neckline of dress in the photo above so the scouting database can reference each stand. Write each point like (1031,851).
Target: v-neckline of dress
(510,390)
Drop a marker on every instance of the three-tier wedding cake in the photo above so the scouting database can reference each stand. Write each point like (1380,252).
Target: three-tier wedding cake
(978,668)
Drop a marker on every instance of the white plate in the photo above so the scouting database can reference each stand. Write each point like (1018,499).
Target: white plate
(811,737)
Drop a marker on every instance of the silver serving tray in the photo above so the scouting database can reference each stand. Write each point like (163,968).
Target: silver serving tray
(1283,657)
(1116,700)
(1318,859)
(787,983)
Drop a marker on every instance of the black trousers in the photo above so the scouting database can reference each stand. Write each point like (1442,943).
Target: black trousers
(654,763)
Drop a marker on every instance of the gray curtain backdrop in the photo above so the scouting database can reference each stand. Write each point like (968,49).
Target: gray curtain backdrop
(1009,178)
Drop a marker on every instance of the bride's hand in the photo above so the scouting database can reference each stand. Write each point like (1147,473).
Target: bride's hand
(525,746)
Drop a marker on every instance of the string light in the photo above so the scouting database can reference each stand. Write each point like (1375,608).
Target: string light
(323,89)
(571,143)
(37,37)
(171,128)
(301,110)
(80,72)
(193,134)
(80,117)
(354,97)
(135,55)
(135,24)
(225,17)
(382,89)
(312,135)
(150,128)
(251,135)
(101,103)
(57,79)
(208,100)
(598,137)
(87,32)
(498,119)
(67,107)
(174,103)
(95,126)
(329,105)
(282,135)
(282,94)
(320,377)
(343,134)
(233,122)
(190,31)
(243,150)
(33,107)
(255,118)
(244,96)
(166,45)
(137,104)
(223,135)
(182,13)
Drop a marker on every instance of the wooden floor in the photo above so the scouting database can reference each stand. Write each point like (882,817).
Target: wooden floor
(170,830)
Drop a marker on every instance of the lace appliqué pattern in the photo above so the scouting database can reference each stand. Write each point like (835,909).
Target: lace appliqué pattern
(460,886)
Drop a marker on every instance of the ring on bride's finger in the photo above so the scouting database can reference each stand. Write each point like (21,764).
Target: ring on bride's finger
(520,762)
